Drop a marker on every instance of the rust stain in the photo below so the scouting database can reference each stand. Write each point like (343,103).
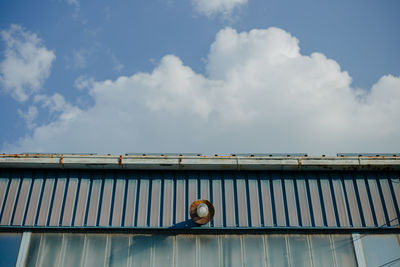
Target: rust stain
(61,159)
(120,160)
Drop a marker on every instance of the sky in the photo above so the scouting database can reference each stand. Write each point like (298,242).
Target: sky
(200,76)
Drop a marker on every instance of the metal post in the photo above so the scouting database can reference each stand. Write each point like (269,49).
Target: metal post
(23,249)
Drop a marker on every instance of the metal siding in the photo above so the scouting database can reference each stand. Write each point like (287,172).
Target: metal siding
(167,212)
(390,205)
(376,201)
(94,201)
(353,203)
(58,201)
(9,204)
(33,206)
(70,200)
(155,204)
(267,202)
(180,199)
(81,202)
(131,198)
(143,202)
(340,202)
(241,200)
(278,197)
(229,202)
(366,208)
(316,202)
(291,203)
(162,199)
(105,207)
(118,204)
(328,202)
(217,202)
(254,201)
(303,202)
(22,201)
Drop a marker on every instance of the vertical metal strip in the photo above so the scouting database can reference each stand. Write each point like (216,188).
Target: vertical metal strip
(135,219)
(223,200)
(385,211)
(187,205)
(310,206)
(249,222)
(149,193)
(28,199)
(5,197)
(198,186)
(112,199)
(357,194)
(371,202)
(288,251)
(296,197)
(124,200)
(23,249)
(285,206)
(64,198)
(358,248)
(396,207)
(235,201)
(321,199)
(88,200)
(335,209)
(210,188)
(260,202)
(16,199)
(53,193)
(76,199)
(271,191)
(333,251)
(160,222)
(100,201)
(40,199)
(346,201)
(174,199)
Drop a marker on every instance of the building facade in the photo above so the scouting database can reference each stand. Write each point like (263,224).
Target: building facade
(133,210)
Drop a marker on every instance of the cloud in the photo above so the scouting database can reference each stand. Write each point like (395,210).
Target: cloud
(29,116)
(259,94)
(78,58)
(76,5)
(214,7)
(26,65)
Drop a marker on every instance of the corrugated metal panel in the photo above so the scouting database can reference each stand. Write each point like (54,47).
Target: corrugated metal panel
(154,199)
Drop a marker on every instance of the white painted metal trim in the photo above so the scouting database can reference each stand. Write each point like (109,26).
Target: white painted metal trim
(198,162)
(359,250)
(23,249)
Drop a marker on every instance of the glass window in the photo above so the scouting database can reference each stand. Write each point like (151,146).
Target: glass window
(189,250)
(299,250)
(9,246)
(381,250)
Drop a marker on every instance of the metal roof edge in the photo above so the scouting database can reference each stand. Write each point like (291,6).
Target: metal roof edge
(189,162)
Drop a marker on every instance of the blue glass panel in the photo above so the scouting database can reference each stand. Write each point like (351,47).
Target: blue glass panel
(9,246)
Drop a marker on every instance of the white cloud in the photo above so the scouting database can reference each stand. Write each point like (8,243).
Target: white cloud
(213,7)
(29,116)
(76,5)
(78,58)
(259,94)
(83,82)
(26,63)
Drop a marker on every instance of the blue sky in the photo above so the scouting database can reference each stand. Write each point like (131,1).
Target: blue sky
(199,76)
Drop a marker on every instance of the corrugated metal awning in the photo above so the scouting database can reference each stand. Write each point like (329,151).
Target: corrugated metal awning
(161,199)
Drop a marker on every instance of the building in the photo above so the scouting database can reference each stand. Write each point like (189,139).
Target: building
(133,210)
